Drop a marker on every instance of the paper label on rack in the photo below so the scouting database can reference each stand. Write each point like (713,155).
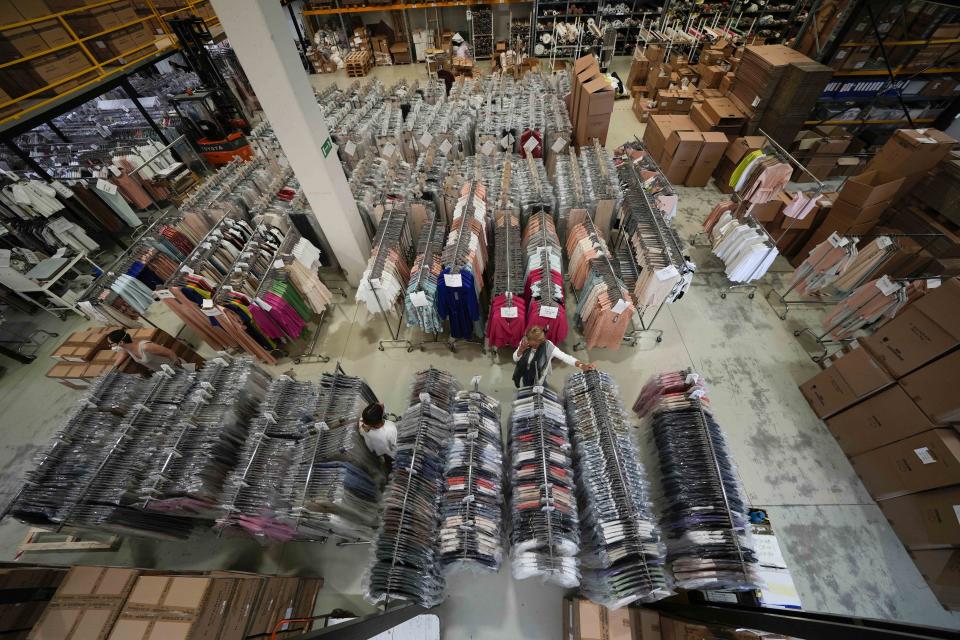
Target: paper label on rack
(212,311)
(505,142)
(114,169)
(424,397)
(487,148)
(278,264)
(621,306)
(756,102)
(106,187)
(30,256)
(350,148)
(666,273)
(186,269)
(698,393)
(933,283)
(538,388)
(508,312)
(453,279)
(425,140)
(388,150)
(445,146)
(419,299)
(883,242)
(163,294)
(475,381)
(60,252)
(375,283)
(263,305)
(926,457)
(531,144)
(558,146)
(837,241)
(887,286)
(549,312)
(61,189)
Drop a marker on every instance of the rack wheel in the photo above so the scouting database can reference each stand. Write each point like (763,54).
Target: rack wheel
(453,349)
(817,358)
(796,333)
(751,295)
(659,338)
(296,361)
(380,348)
(723,296)
(324,359)
(409,349)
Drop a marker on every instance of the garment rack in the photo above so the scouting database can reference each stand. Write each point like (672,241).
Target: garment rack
(374,277)
(467,215)
(425,344)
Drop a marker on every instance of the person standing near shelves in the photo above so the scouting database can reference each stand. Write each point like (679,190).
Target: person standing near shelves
(534,357)
(379,434)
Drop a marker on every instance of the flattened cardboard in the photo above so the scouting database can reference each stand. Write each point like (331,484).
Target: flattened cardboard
(877,421)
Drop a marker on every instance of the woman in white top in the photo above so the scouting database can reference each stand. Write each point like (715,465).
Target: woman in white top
(379,435)
(149,354)
(534,356)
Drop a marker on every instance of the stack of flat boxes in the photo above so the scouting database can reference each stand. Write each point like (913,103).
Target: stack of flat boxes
(109,603)
(893,407)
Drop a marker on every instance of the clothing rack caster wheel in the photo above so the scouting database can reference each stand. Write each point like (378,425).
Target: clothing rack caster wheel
(579,346)
(409,349)
(659,339)
(380,348)
(751,296)
(723,296)
(797,332)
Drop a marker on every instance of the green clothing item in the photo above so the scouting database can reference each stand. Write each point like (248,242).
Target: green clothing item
(290,293)
(744,163)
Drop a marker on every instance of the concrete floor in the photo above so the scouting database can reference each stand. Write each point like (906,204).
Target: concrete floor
(843,555)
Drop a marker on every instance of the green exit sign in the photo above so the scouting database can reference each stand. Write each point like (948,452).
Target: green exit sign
(327,147)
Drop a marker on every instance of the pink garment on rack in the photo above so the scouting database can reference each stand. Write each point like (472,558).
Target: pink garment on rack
(555,328)
(506,332)
(266,323)
(284,315)
(769,183)
(800,206)
(534,276)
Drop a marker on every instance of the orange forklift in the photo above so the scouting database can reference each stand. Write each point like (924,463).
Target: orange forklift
(210,114)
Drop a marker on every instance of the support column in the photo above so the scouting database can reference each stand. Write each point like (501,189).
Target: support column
(259,34)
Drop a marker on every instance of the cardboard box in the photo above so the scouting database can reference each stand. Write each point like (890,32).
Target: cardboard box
(941,570)
(594,110)
(86,605)
(714,146)
(584,69)
(585,620)
(680,154)
(276,597)
(768,211)
(927,519)
(30,9)
(164,606)
(847,215)
(721,112)
(909,341)
(934,389)
(877,421)
(848,378)
(659,129)
(870,188)
(742,146)
(912,152)
(928,460)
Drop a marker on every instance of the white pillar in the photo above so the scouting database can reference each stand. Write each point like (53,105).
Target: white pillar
(259,33)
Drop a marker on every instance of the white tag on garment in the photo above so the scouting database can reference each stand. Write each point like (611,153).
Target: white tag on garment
(487,148)
(186,269)
(61,189)
(278,264)
(424,397)
(887,286)
(425,140)
(375,283)
(445,146)
(106,187)
(505,142)
(350,148)
(756,102)
(508,312)
(419,299)
(453,279)
(883,242)
(60,252)
(558,146)
(163,294)
(926,457)
(933,283)
(30,256)
(475,381)
(211,311)
(531,144)
(114,169)
(666,273)
(263,305)
(621,306)
(834,240)
(538,389)
(388,150)
(549,312)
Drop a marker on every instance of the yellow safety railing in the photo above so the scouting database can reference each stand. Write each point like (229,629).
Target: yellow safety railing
(98,69)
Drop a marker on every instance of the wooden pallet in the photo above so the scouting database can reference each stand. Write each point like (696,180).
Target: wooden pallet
(69,540)
(358,63)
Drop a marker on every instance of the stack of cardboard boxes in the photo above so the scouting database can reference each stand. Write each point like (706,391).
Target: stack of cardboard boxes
(85,356)
(24,594)
(591,102)
(892,405)
(111,603)
(912,153)
(686,154)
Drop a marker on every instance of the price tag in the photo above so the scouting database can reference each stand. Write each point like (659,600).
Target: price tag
(505,142)
(883,242)
(531,144)
(756,102)
(424,397)
(263,305)
(425,140)
(925,455)
(30,256)
(210,310)
(453,279)
(388,150)
(186,269)
(163,294)
(106,187)
(475,381)
(549,312)
(60,252)
(419,299)
(278,264)
(666,273)
(836,241)
(487,148)
(114,169)
(375,283)
(538,389)
(508,312)
(61,189)
(887,286)
(350,148)
(621,306)
(933,283)
(445,147)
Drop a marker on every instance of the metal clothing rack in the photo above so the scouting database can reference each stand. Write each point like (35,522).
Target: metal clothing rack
(424,266)
(824,338)
(374,281)
(782,297)
(464,232)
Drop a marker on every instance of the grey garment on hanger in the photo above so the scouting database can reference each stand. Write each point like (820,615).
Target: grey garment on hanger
(116,202)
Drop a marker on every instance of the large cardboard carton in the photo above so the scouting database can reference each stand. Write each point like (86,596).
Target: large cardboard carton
(680,154)
(941,570)
(593,113)
(659,129)
(870,188)
(585,620)
(934,388)
(742,146)
(714,146)
(161,607)
(849,377)
(925,520)
(911,152)
(86,605)
(928,460)
(584,69)
(877,421)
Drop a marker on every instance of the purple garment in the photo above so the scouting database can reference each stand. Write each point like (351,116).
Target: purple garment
(266,323)
(284,315)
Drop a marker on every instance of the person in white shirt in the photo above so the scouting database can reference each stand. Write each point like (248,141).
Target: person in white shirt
(379,434)
(534,356)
